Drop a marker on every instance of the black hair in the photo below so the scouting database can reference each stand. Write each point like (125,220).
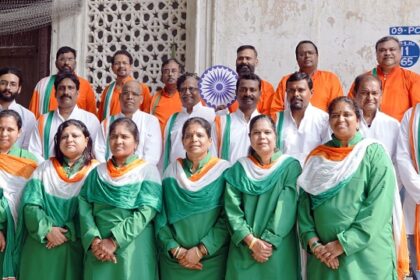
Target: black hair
(12,113)
(122,52)
(253,121)
(197,120)
(129,124)
(347,100)
(250,76)
(305,42)
(386,39)
(87,153)
(12,70)
(184,77)
(169,60)
(367,76)
(65,49)
(66,75)
(298,76)
(247,47)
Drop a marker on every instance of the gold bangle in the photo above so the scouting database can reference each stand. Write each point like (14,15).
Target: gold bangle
(203,248)
(176,252)
(252,243)
(197,251)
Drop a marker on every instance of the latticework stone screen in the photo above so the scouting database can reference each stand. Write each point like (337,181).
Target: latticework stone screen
(151,31)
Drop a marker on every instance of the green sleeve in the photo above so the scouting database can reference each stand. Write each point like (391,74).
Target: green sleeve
(283,219)
(166,239)
(217,236)
(235,214)
(3,213)
(37,222)
(71,233)
(128,229)
(376,209)
(305,220)
(88,228)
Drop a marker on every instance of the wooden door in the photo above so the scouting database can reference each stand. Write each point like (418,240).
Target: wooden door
(30,52)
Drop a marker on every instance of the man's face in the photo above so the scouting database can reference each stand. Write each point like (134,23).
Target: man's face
(170,74)
(121,66)
(66,62)
(307,56)
(246,61)
(388,54)
(66,94)
(189,93)
(248,94)
(9,87)
(131,97)
(369,95)
(298,95)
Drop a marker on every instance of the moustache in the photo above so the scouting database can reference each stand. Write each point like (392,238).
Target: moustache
(66,96)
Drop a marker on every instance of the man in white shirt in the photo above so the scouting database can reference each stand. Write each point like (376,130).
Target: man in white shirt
(10,87)
(230,132)
(189,92)
(66,92)
(375,124)
(150,140)
(301,127)
(407,160)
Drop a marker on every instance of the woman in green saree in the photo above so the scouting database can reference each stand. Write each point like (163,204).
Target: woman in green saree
(192,231)
(260,204)
(117,204)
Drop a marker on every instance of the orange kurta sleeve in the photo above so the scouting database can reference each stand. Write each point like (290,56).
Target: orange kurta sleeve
(102,103)
(166,106)
(145,106)
(34,104)
(278,103)
(86,99)
(326,87)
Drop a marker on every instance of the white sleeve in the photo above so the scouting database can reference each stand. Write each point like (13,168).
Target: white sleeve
(35,144)
(29,127)
(408,174)
(214,143)
(153,141)
(99,144)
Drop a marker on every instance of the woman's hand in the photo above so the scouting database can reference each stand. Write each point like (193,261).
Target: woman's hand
(178,252)
(191,259)
(2,242)
(261,250)
(56,237)
(108,248)
(328,254)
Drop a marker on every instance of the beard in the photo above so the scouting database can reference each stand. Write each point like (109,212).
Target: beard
(245,69)
(5,98)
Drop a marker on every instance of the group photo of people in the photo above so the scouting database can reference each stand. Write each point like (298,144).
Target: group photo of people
(297,181)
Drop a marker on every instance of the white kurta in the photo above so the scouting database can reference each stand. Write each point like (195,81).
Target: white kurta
(313,131)
(36,144)
(385,129)
(150,139)
(177,149)
(408,174)
(28,124)
(239,139)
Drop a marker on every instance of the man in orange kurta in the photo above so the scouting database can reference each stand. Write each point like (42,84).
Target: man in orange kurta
(400,87)
(121,64)
(246,61)
(166,101)
(326,85)
(43,98)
